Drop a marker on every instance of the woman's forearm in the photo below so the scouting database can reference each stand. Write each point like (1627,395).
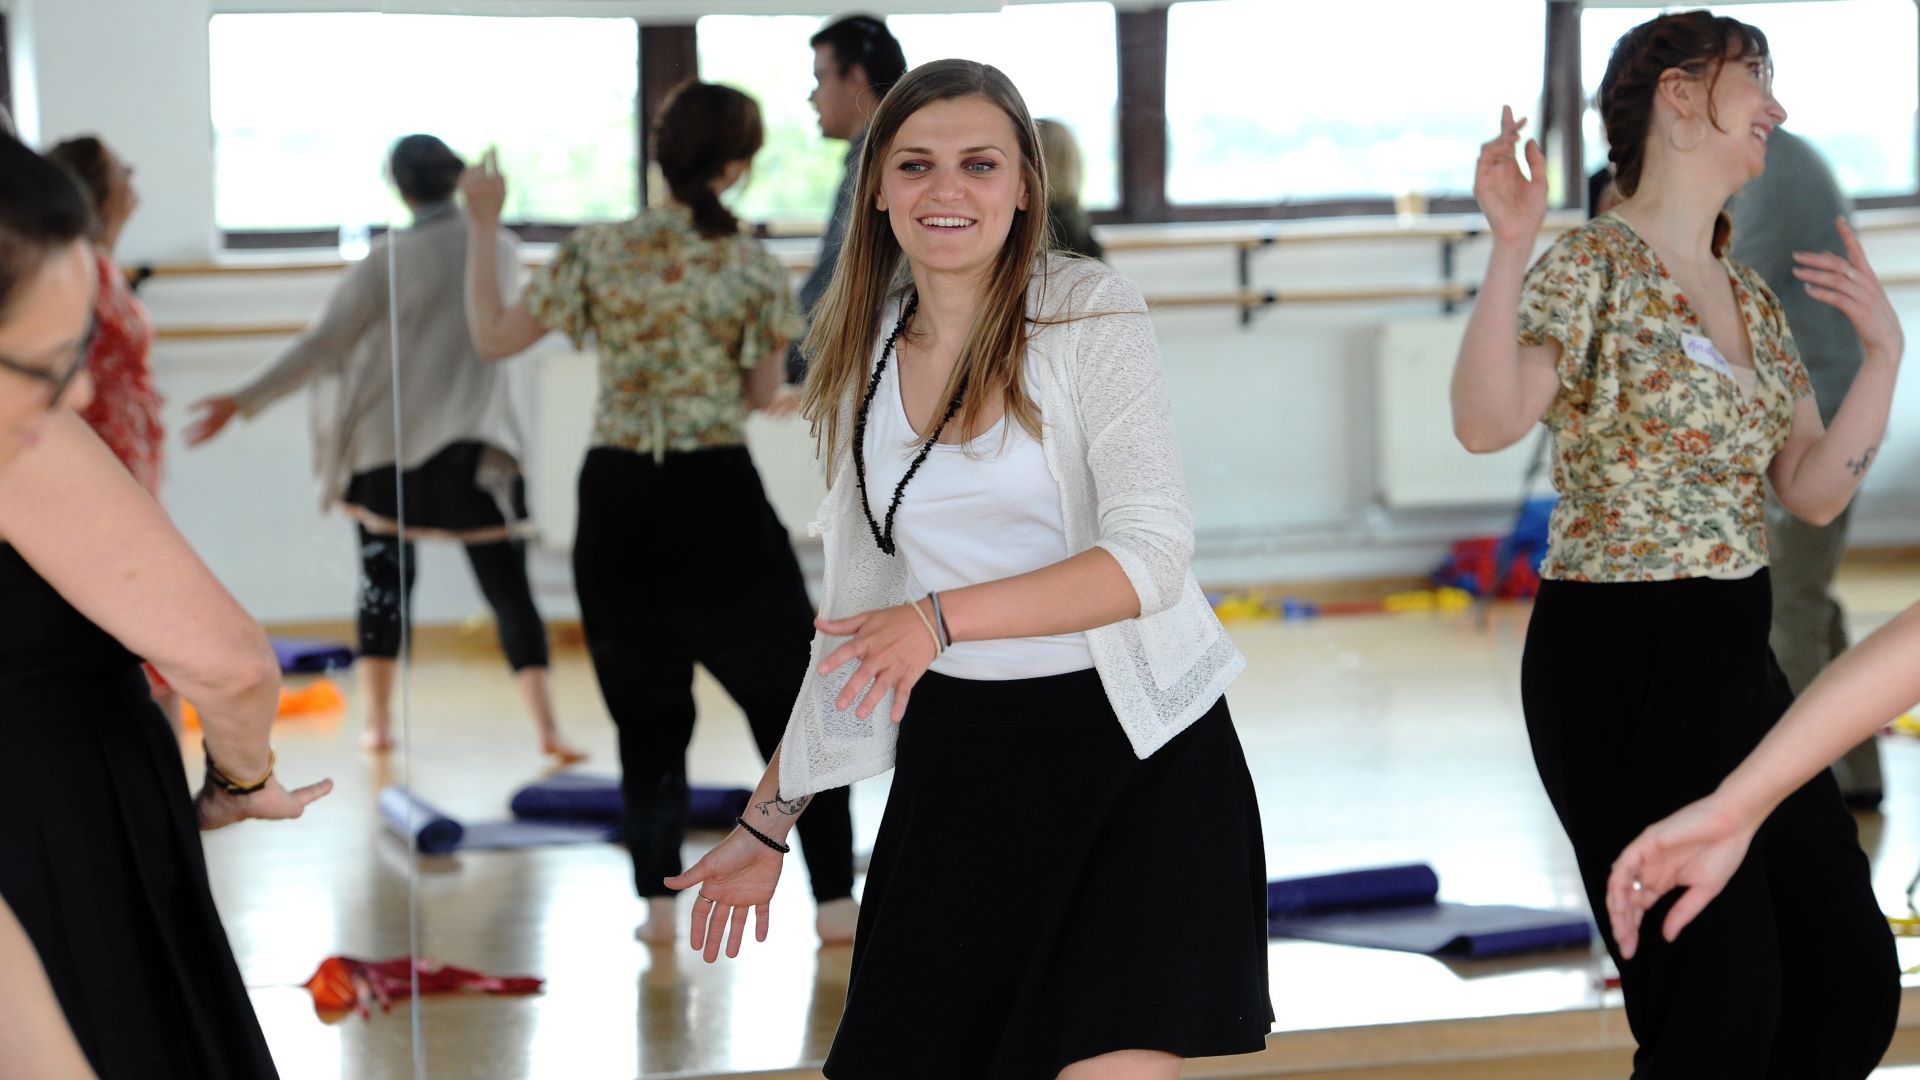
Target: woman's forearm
(1488,399)
(1867,687)
(770,813)
(484,305)
(1075,594)
(1833,468)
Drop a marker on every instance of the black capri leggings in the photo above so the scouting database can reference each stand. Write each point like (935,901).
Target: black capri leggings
(1641,698)
(679,563)
(500,568)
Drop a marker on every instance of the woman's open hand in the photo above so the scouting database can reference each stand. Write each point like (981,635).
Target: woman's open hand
(483,190)
(1851,285)
(892,648)
(1514,204)
(1699,847)
(738,875)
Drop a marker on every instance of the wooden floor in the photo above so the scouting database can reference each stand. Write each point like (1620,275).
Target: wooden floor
(1372,740)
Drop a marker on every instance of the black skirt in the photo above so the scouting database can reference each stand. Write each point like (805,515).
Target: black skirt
(1039,896)
(446,493)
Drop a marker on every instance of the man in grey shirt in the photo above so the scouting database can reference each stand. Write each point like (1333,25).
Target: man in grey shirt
(1791,207)
(856,60)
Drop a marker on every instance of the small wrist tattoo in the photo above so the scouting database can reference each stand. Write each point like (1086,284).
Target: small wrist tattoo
(1858,465)
(788,807)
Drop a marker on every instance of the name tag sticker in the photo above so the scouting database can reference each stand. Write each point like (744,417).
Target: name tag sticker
(1701,350)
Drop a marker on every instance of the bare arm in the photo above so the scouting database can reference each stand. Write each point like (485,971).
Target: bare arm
(1701,845)
(1816,473)
(1501,388)
(84,525)
(764,379)
(34,1037)
(498,330)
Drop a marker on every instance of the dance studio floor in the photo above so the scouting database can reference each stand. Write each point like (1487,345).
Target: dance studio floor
(1373,740)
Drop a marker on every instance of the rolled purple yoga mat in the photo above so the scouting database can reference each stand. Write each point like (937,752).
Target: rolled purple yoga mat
(433,832)
(1416,883)
(586,797)
(305,656)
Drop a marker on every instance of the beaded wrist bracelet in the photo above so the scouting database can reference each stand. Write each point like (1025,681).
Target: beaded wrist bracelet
(231,786)
(762,837)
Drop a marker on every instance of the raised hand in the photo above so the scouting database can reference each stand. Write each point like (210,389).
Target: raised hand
(1699,846)
(1514,204)
(736,876)
(483,190)
(272,803)
(210,416)
(893,649)
(1851,285)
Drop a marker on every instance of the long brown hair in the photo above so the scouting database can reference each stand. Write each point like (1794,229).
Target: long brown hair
(703,128)
(871,269)
(1698,43)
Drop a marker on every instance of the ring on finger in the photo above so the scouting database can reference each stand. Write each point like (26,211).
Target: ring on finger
(716,903)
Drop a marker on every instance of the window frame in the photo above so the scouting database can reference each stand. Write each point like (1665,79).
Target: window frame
(669,53)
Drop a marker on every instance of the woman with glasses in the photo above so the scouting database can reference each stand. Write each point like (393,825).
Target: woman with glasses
(100,855)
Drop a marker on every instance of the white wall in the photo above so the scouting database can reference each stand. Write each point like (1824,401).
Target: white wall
(135,73)
(1275,419)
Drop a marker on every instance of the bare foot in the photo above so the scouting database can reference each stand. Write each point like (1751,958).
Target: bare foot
(376,740)
(564,753)
(836,920)
(659,927)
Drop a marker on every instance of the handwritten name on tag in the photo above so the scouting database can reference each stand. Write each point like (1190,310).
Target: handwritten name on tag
(1701,350)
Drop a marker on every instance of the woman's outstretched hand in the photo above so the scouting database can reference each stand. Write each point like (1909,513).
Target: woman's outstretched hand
(1514,204)
(893,649)
(271,803)
(1699,847)
(1851,285)
(210,416)
(738,875)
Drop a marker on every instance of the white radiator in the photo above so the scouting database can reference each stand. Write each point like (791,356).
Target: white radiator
(1421,464)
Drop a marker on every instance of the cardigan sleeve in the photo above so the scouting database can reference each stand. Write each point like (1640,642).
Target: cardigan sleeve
(1140,492)
(354,307)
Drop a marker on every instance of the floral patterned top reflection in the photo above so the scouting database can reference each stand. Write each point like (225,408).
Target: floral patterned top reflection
(678,318)
(1659,451)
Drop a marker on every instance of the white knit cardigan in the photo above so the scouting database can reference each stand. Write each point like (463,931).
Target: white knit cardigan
(1108,438)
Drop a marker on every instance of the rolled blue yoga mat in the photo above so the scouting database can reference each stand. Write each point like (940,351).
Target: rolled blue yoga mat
(302,656)
(437,833)
(1395,907)
(587,797)
(433,832)
(1411,884)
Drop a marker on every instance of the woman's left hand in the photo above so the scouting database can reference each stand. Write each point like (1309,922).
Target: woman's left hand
(1851,285)
(893,649)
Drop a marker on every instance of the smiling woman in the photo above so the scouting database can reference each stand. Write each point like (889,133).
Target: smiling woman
(1016,597)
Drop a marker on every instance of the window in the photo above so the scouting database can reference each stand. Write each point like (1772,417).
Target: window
(795,176)
(1270,103)
(1063,58)
(1845,71)
(797,172)
(301,135)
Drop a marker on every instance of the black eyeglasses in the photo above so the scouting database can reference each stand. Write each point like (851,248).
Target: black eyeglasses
(58,380)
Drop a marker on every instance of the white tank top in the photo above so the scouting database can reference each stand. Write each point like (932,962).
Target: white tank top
(970,515)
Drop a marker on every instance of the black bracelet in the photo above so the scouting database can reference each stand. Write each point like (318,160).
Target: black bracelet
(762,837)
(940,620)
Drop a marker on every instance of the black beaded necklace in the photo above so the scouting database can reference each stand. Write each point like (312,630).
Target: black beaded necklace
(883,538)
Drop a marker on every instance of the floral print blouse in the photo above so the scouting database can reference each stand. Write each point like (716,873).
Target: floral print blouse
(125,410)
(1659,454)
(678,318)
